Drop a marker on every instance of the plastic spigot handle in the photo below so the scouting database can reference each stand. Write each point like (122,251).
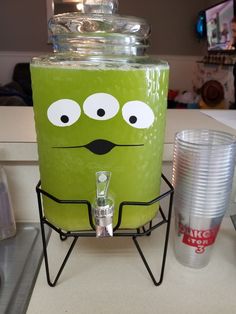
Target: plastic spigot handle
(102,184)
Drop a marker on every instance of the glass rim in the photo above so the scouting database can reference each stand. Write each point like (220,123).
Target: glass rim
(231,138)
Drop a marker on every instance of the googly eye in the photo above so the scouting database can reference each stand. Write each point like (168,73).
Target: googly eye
(101,106)
(138,114)
(64,112)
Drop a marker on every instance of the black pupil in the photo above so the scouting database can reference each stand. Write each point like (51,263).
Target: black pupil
(64,119)
(101,112)
(133,119)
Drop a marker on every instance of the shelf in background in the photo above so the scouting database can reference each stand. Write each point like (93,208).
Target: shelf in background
(216,63)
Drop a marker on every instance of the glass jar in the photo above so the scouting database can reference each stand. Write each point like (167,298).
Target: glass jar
(100,105)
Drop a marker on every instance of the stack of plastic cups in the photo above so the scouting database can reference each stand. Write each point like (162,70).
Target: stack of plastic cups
(203,170)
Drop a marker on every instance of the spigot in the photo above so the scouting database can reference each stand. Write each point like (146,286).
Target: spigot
(103,207)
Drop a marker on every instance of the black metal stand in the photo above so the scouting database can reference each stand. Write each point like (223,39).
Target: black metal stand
(135,234)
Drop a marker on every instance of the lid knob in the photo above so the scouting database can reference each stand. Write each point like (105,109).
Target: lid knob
(100,6)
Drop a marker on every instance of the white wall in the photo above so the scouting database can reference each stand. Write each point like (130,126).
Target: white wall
(181,67)
(181,71)
(24,24)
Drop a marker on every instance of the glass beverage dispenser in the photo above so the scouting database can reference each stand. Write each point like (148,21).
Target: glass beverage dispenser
(100,106)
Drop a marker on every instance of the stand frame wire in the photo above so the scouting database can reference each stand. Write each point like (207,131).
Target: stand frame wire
(134,234)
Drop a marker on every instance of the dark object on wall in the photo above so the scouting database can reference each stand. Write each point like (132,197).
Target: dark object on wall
(201,25)
(18,92)
(21,75)
(212,93)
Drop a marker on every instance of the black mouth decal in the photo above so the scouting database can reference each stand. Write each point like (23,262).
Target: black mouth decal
(100,147)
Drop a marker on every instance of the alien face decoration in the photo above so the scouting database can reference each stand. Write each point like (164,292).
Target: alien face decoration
(100,106)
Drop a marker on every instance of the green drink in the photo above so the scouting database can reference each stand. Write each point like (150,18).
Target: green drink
(91,119)
(100,107)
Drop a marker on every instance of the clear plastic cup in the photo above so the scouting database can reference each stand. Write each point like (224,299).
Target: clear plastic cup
(194,238)
(7,219)
(203,169)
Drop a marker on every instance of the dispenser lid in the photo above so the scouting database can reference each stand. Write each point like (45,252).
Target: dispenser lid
(99,17)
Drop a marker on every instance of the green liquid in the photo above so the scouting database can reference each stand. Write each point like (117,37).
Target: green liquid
(70,173)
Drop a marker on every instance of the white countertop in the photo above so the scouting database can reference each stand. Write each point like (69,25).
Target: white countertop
(18,138)
(107,276)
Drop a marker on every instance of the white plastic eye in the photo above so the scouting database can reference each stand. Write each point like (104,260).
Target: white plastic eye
(101,106)
(64,112)
(138,114)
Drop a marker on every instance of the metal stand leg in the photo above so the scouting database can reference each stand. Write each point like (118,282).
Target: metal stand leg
(168,222)
(50,282)
(62,237)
